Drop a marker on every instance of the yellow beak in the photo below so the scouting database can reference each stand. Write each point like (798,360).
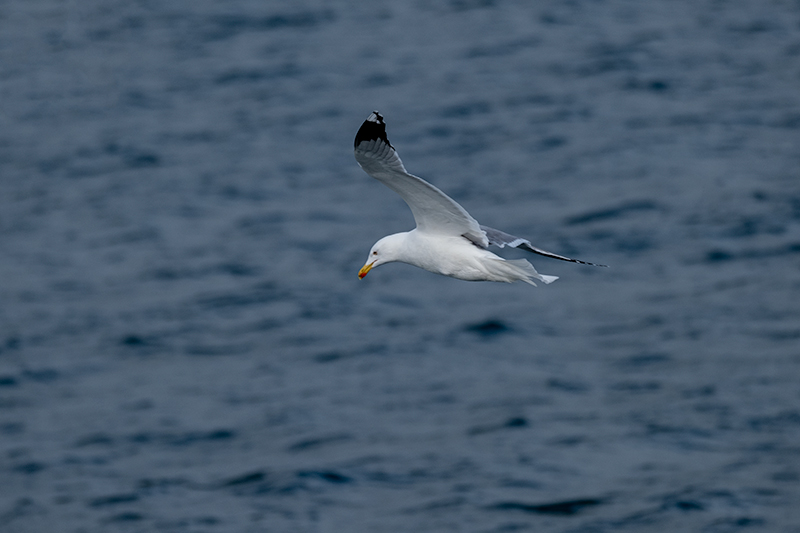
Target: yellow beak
(365,270)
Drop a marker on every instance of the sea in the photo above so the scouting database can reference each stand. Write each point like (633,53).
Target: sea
(185,346)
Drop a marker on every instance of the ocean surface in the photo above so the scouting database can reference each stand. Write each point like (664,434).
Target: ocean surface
(185,345)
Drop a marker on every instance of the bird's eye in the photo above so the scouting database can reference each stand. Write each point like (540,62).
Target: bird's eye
(374,253)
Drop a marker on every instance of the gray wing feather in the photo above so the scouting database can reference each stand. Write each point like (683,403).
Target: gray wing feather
(433,210)
(503,239)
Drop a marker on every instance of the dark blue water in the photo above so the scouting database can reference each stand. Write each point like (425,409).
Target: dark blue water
(184,343)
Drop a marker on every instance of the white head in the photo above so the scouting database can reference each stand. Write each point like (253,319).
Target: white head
(386,250)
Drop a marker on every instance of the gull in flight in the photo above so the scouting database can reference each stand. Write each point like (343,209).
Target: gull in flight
(447,240)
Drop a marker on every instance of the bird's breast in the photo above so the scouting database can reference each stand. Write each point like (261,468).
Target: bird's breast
(452,256)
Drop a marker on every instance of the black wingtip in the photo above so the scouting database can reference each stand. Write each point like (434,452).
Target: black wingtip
(372,129)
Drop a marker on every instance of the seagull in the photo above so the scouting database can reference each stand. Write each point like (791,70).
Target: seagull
(447,240)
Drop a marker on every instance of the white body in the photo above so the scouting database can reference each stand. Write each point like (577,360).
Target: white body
(453,256)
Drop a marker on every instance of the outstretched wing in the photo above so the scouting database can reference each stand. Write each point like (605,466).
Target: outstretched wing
(502,239)
(434,211)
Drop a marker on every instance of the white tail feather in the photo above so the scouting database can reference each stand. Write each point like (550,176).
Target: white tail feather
(527,272)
